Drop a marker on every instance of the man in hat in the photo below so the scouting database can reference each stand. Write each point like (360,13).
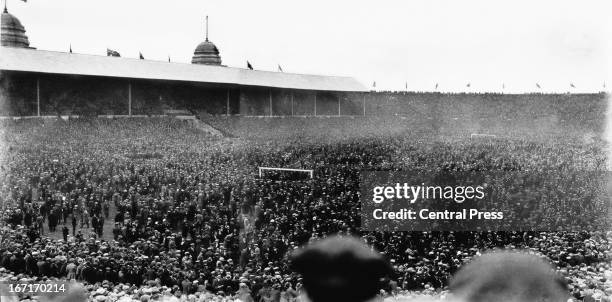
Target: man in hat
(265,293)
(340,269)
(65,232)
(74,224)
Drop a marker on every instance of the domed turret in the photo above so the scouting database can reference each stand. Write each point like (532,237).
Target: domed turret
(206,52)
(12,33)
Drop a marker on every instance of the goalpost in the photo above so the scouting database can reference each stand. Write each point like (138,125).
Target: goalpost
(310,172)
(481,135)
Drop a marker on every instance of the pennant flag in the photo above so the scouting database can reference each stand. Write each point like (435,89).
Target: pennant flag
(141,56)
(280,68)
(538,85)
(168,59)
(249,66)
(406,85)
(436,86)
(70,48)
(374,84)
(112,53)
(572,85)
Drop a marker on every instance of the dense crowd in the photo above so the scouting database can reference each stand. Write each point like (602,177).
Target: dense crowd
(152,207)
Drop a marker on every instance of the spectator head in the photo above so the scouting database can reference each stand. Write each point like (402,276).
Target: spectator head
(339,269)
(511,277)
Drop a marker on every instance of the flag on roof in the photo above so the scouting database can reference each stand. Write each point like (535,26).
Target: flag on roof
(280,68)
(141,56)
(249,66)
(112,53)
(572,85)
(538,85)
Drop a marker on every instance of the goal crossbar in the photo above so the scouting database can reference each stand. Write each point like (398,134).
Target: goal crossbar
(310,172)
(476,135)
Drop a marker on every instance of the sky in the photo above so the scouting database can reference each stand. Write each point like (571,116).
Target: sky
(400,45)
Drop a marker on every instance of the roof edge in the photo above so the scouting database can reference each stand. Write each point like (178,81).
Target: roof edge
(147,61)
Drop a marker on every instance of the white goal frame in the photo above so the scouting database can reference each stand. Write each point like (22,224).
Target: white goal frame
(309,171)
(482,135)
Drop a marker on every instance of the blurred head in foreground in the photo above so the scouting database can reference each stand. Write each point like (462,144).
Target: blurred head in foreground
(510,277)
(76,293)
(340,269)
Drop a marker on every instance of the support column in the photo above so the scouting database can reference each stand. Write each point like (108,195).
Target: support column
(270,102)
(315,104)
(227,106)
(37,96)
(291,102)
(364,110)
(129,99)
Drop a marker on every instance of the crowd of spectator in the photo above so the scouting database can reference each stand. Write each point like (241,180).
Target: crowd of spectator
(151,207)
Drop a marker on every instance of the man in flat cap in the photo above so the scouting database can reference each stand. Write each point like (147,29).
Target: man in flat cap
(340,269)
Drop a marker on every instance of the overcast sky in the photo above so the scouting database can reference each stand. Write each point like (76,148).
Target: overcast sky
(420,42)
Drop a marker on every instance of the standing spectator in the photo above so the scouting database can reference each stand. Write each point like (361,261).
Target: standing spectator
(65,232)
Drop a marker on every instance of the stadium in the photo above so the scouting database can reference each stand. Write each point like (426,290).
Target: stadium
(158,181)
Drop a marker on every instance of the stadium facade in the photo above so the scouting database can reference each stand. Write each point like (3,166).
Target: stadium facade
(38,82)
